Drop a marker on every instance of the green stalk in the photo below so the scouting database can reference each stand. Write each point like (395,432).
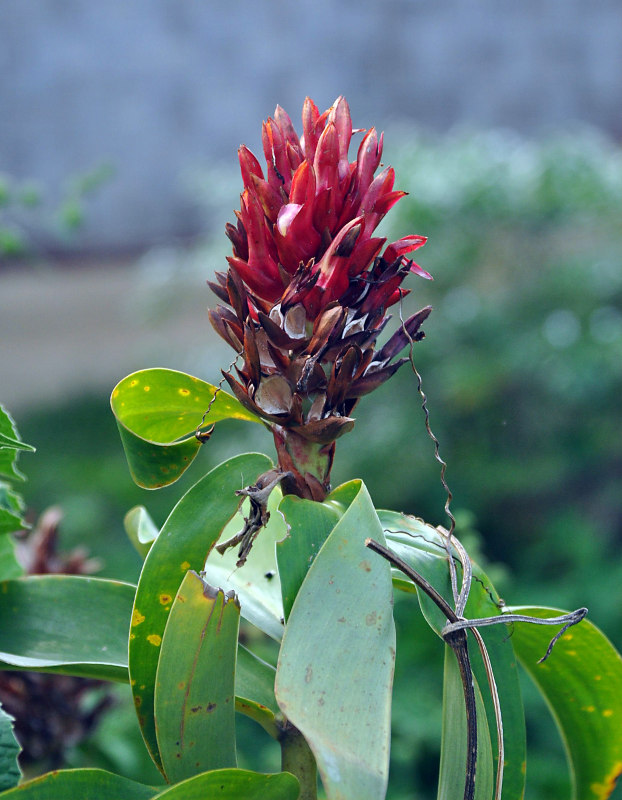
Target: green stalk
(297,758)
(309,463)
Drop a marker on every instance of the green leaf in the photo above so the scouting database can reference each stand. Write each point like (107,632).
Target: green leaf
(582,684)
(9,522)
(422,547)
(234,784)
(66,623)
(257,583)
(186,538)
(454,742)
(10,443)
(158,412)
(308,525)
(10,748)
(335,670)
(14,444)
(141,529)
(11,507)
(254,690)
(9,565)
(194,696)
(86,784)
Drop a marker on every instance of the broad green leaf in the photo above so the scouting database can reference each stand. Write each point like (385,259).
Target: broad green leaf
(335,670)
(454,743)
(582,684)
(257,583)
(10,443)
(308,526)
(422,547)
(234,784)
(73,624)
(158,412)
(9,565)
(141,529)
(254,690)
(85,784)
(186,538)
(194,696)
(10,748)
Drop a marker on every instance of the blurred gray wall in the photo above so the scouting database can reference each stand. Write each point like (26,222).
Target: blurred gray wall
(157,88)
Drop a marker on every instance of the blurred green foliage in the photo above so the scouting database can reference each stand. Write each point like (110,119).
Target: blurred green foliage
(522,366)
(31,222)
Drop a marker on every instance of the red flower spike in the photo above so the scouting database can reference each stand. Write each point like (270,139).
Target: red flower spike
(340,116)
(308,285)
(284,122)
(368,159)
(237,236)
(271,200)
(310,116)
(248,165)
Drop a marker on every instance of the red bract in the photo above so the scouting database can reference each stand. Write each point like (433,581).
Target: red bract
(299,211)
(309,284)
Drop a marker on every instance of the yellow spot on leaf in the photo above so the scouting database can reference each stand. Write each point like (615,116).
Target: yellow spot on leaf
(115,393)
(134,382)
(571,652)
(184,392)
(154,639)
(590,709)
(132,636)
(185,565)
(604,789)
(607,713)
(137,618)
(165,599)
(147,388)
(567,637)
(598,677)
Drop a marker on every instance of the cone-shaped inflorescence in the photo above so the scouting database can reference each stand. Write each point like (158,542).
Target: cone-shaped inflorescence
(308,286)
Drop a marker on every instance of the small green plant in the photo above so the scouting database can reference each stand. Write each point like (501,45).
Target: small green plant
(312,568)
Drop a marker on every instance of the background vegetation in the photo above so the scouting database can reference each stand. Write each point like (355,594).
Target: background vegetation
(522,368)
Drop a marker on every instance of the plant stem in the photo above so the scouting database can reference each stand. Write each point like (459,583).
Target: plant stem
(309,464)
(297,758)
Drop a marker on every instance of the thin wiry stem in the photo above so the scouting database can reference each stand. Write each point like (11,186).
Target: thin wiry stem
(203,435)
(437,454)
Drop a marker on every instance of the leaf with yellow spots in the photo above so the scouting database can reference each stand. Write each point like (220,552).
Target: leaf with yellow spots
(187,536)
(158,412)
(195,683)
(582,684)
